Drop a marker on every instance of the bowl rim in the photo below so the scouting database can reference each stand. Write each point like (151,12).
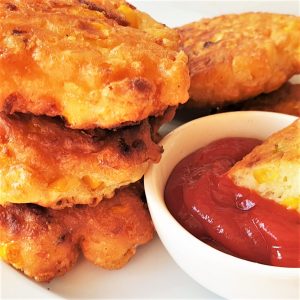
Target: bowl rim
(156,202)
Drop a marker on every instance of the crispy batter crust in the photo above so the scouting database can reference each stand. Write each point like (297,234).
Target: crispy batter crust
(285,100)
(45,163)
(45,243)
(273,168)
(235,57)
(95,63)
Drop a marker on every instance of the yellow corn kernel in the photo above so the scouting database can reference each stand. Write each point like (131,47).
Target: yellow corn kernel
(61,184)
(217,37)
(92,182)
(100,26)
(3,252)
(291,202)
(10,252)
(265,175)
(129,14)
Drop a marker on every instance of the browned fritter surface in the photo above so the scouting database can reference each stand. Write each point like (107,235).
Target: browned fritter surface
(236,57)
(285,100)
(45,243)
(97,63)
(45,163)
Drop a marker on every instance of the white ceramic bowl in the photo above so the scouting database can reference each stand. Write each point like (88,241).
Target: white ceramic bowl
(223,274)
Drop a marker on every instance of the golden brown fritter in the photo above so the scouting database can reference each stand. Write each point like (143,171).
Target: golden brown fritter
(285,100)
(236,57)
(95,63)
(272,169)
(45,243)
(45,163)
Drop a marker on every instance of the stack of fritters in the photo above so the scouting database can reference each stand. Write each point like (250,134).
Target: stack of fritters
(85,85)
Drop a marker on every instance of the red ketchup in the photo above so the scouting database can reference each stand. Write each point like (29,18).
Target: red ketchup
(235,220)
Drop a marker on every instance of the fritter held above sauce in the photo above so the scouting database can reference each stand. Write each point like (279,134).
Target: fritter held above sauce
(45,163)
(45,243)
(273,168)
(236,57)
(95,63)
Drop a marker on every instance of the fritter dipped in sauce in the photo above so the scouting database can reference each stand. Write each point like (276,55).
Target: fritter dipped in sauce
(202,197)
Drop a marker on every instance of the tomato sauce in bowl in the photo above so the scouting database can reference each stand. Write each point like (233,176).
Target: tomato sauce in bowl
(232,219)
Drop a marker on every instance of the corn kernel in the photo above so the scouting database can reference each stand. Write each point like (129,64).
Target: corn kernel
(217,37)
(129,14)
(3,252)
(92,182)
(292,202)
(60,184)
(265,175)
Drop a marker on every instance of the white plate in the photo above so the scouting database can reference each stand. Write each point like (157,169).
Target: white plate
(151,273)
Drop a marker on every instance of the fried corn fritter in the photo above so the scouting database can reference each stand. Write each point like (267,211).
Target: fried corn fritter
(272,169)
(95,63)
(236,57)
(45,163)
(45,243)
(285,100)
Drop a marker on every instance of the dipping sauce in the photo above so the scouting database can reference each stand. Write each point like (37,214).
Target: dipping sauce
(235,220)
